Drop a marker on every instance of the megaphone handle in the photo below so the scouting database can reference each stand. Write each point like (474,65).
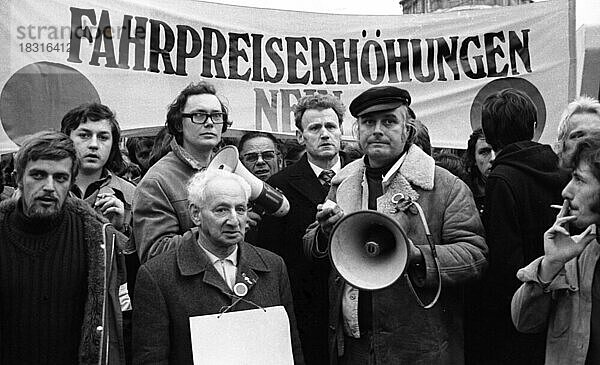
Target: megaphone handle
(439,288)
(435,259)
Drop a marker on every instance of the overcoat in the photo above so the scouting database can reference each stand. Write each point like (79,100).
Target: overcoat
(183,283)
(308,278)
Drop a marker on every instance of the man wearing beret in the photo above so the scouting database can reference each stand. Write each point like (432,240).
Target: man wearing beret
(396,178)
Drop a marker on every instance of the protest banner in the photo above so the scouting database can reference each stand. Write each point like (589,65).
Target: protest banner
(135,56)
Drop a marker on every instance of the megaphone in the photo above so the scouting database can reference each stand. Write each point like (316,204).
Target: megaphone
(369,249)
(271,199)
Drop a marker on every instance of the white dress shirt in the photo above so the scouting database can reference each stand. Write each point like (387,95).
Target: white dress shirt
(226,267)
(335,168)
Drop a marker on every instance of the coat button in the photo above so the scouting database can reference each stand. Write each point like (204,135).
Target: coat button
(353,297)
(99,328)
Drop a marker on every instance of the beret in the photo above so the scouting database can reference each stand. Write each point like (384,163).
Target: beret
(379,98)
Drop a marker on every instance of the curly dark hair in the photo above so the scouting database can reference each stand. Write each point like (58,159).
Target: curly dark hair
(174,118)
(319,102)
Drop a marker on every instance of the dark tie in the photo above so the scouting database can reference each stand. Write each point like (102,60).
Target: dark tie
(325,177)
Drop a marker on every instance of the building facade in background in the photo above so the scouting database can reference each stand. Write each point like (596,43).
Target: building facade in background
(430,6)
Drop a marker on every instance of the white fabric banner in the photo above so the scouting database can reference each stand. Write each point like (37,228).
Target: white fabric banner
(136,55)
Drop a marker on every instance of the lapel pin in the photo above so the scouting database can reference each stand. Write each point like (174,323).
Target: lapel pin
(247,279)
(240,289)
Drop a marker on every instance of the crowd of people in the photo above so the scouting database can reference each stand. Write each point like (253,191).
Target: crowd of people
(108,246)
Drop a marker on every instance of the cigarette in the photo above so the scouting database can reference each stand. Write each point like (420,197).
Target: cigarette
(556,206)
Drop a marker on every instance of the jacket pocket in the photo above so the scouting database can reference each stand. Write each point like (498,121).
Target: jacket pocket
(560,317)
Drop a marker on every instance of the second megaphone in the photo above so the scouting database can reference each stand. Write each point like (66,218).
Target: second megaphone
(272,200)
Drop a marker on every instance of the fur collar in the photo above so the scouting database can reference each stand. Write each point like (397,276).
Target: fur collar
(418,169)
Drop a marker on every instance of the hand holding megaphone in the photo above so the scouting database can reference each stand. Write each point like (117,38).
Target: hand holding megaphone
(271,199)
(328,214)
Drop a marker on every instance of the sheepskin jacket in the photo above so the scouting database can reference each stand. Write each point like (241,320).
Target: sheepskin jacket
(403,332)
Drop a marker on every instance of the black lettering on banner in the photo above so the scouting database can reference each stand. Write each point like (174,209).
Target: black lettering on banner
(417,62)
(318,65)
(235,53)
(305,60)
(78,31)
(276,59)
(104,36)
(516,46)
(138,40)
(211,35)
(351,60)
(155,48)
(182,42)
(464,59)
(365,62)
(257,57)
(293,56)
(491,52)
(394,58)
(447,55)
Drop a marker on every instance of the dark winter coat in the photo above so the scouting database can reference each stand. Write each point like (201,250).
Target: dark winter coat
(283,235)
(183,283)
(525,180)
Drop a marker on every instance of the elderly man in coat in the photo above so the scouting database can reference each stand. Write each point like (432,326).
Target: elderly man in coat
(212,268)
(388,326)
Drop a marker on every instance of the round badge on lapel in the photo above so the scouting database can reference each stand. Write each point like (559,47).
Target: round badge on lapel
(240,289)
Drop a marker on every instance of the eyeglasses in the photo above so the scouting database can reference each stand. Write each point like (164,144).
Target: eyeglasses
(201,118)
(252,157)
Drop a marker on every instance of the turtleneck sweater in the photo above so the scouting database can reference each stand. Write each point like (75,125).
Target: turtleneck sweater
(43,287)
(374,181)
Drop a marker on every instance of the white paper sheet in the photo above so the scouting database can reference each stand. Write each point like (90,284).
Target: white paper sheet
(251,337)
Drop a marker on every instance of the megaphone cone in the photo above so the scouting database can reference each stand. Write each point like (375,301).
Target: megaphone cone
(271,199)
(368,249)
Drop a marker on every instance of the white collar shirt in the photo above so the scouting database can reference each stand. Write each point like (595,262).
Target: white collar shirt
(335,168)
(226,267)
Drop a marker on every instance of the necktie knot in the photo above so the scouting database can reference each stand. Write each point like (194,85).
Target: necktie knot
(325,176)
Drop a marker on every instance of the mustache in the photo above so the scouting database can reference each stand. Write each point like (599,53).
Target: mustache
(47,196)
